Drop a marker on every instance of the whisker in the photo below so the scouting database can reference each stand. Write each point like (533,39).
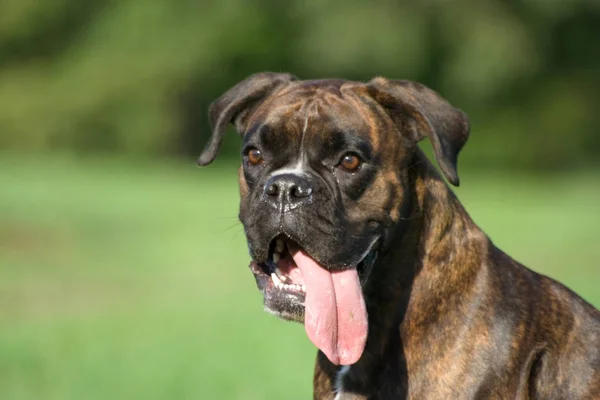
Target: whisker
(228,228)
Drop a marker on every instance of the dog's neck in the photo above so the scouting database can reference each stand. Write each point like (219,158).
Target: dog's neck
(449,253)
(431,246)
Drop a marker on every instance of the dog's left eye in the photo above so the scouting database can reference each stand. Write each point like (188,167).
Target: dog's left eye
(350,162)
(255,157)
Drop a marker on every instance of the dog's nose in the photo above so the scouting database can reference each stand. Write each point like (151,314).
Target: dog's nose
(289,189)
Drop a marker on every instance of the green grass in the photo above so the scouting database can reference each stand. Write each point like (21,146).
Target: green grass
(129,281)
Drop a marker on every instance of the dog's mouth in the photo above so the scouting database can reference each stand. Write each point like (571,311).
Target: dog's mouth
(285,275)
(282,269)
(329,302)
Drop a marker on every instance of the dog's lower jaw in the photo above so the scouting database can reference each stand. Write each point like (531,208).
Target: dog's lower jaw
(287,315)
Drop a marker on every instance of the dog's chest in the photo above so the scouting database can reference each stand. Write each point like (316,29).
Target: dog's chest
(340,393)
(346,386)
(339,382)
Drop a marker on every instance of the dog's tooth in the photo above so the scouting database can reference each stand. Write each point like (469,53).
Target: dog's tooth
(280,274)
(279,246)
(276,257)
(275,279)
(304,288)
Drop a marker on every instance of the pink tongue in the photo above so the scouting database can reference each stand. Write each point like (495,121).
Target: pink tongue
(335,313)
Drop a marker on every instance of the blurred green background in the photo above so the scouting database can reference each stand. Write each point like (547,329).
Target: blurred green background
(123,268)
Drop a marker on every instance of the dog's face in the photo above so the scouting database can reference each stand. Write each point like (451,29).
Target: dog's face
(321,167)
(323,180)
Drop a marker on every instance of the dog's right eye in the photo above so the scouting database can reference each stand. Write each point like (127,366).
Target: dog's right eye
(255,157)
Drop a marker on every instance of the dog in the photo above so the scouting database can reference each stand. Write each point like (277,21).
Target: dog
(354,233)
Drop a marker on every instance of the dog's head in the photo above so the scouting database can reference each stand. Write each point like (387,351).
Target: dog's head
(323,180)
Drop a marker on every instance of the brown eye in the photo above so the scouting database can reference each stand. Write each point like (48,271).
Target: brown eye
(255,157)
(351,162)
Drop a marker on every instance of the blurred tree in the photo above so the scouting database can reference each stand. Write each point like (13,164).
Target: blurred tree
(137,77)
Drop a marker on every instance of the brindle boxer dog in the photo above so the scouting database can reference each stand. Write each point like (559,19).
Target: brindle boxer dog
(352,231)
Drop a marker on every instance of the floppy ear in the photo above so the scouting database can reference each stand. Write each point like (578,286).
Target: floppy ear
(237,105)
(420,112)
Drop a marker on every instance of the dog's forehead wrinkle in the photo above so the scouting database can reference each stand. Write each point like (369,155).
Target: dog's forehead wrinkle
(312,113)
(302,158)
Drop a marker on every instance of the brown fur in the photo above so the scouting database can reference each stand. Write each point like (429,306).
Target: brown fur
(460,319)
(450,315)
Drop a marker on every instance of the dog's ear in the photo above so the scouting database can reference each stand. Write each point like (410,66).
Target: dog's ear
(420,112)
(237,105)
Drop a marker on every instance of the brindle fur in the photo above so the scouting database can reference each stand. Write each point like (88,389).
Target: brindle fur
(450,315)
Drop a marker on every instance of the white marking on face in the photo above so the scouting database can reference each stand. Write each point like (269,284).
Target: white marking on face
(299,168)
(302,156)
